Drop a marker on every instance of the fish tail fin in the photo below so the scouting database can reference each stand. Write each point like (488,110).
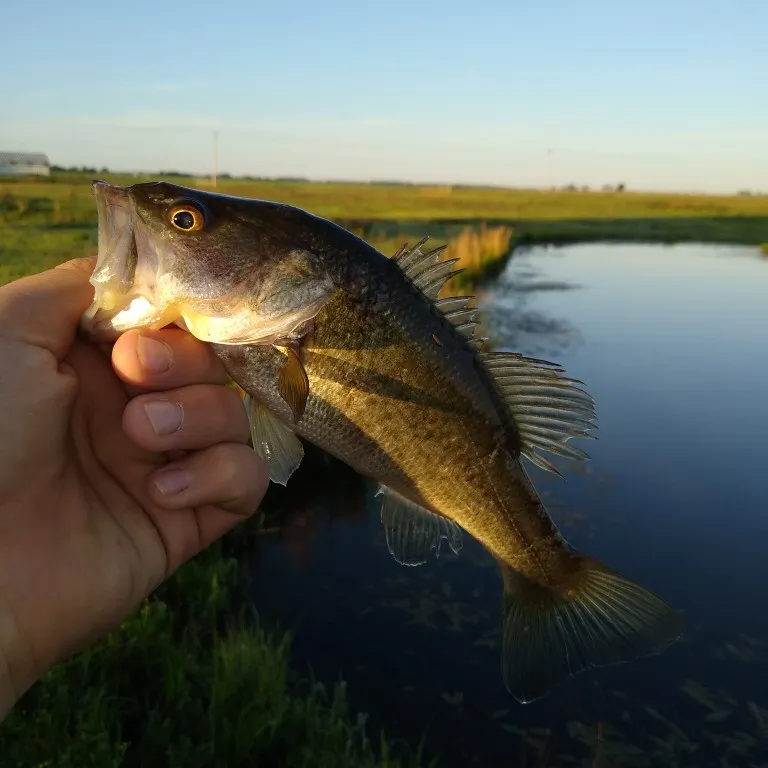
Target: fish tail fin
(593,618)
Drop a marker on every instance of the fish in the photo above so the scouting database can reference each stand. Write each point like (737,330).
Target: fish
(335,343)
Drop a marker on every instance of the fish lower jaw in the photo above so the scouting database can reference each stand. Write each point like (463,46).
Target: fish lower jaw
(109,316)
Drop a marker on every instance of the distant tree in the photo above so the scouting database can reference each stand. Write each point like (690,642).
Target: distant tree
(620,187)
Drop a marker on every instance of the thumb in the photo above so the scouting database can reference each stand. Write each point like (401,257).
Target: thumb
(44,310)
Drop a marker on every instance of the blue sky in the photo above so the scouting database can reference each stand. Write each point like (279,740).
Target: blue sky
(659,95)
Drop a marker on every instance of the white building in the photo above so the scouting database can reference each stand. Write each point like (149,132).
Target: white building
(24,164)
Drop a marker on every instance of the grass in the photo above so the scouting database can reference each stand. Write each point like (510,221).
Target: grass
(47,220)
(400,202)
(185,683)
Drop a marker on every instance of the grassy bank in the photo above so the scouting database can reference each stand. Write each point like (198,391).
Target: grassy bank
(188,681)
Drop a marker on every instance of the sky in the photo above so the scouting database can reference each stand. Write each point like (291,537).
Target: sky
(659,94)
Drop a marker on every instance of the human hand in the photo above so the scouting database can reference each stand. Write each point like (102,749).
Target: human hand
(93,515)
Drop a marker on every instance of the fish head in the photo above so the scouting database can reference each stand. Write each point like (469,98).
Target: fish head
(229,270)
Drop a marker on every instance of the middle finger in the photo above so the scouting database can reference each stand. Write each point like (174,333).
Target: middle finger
(190,418)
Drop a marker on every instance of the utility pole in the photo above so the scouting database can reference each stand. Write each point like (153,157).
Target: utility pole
(215,158)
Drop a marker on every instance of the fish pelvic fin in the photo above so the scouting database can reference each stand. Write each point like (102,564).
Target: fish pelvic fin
(412,532)
(273,440)
(595,618)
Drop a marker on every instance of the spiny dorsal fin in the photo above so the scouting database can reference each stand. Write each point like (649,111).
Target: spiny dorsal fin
(412,260)
(425,270)
(429,274)
(453,303)
(547,407)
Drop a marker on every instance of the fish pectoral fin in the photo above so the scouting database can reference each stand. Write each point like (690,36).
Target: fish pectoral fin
(547,407)
(594,618)
(273,441)
(412,531)
(293,384)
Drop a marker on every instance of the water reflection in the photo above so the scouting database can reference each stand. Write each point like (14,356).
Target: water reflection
(516,323)
(670,341)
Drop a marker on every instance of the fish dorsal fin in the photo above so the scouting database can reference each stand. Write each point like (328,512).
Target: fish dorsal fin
(424,269)
(547,407)
(273,440)
(412,532)
(427,273)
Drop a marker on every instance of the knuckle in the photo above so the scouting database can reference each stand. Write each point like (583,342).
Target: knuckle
(226,468)
(235,415)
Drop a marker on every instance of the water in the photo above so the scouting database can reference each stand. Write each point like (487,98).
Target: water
(671,342)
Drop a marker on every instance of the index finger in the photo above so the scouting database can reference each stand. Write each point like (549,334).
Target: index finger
(165,359)
(44,310)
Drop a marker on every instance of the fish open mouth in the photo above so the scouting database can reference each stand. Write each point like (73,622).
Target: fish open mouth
(148,276)
(123,277)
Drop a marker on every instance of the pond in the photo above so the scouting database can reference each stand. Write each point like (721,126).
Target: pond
(671,342)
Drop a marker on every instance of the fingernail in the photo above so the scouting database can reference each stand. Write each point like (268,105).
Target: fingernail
(173,480)
(164,416)
(155,356)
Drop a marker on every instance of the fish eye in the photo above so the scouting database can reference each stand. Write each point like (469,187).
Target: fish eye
(187,217)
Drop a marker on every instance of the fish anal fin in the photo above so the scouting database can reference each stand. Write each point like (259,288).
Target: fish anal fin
(596,618)
(412,532)
(547,407)
(293,383)
(273,441)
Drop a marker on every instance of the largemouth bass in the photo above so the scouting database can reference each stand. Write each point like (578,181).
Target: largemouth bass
(355,352)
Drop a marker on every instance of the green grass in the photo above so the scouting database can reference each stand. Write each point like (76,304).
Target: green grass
(395,202)
(45,221)
(185,683)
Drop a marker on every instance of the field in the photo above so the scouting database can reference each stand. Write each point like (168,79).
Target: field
(188,680)
(46,221)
